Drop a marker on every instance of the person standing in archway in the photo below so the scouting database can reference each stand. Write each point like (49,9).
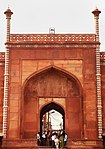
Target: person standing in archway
(43,139)
(65,139)
(38,138)
(61,138)
(56,142)
(53,138)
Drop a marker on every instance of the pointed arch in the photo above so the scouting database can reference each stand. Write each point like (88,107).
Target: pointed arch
(52,106)
(39,85)
(57,69)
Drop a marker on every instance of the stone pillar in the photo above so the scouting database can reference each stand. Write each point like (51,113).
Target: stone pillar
(96,13)
(8,14)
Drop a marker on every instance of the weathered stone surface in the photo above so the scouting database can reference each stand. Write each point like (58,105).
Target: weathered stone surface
(55,74)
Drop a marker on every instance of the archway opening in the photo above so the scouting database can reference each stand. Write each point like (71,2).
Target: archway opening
(52,121)
(54,89)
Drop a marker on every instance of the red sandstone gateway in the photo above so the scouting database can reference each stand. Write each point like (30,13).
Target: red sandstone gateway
(60,72)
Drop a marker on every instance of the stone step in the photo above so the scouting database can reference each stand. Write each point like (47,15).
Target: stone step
(47,147)
(28,148)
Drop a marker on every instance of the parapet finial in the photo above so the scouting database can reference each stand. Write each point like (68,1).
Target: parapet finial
(96,12)
(8,12)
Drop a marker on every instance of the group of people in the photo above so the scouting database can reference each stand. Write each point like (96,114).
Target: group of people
(56,139)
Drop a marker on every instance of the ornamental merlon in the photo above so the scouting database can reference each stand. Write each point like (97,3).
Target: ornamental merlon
(52,38)
(102,56)
(2,56)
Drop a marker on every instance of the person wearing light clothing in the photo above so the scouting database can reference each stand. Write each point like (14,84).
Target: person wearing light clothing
(56,142)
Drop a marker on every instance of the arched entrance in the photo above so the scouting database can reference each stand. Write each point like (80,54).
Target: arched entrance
(50,89)
(48,108)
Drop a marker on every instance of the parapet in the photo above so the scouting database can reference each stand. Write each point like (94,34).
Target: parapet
(52,38)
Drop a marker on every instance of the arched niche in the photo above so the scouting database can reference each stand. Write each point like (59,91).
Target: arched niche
(51,82)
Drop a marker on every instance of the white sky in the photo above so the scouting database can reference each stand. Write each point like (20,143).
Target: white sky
(67,16)
(56,120)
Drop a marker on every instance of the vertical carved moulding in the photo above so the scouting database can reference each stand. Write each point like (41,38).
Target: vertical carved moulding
(8,14)
(96,13)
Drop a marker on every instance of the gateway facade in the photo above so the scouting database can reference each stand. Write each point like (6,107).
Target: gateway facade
(41,72)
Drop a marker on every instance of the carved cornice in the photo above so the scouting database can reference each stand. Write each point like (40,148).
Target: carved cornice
(52,38)
(10,45)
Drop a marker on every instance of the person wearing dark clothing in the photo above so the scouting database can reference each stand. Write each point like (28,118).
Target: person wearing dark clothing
(38,138)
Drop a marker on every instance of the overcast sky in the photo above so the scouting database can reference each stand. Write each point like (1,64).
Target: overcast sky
(67,16)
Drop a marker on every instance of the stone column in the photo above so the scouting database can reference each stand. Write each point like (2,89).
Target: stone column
(8,14)
(96,13)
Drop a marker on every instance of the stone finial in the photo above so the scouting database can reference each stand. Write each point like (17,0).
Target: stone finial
(8,13)
(96,12)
